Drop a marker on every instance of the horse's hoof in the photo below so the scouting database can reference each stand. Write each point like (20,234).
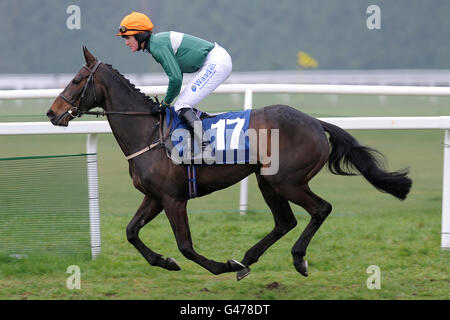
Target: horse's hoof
(235,265)
(241,274)
(303,269)
(172,265)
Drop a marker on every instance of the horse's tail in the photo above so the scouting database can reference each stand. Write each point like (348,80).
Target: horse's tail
(347,154)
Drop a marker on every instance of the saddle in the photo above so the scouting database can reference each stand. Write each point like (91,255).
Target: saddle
(167,126)
(226,132)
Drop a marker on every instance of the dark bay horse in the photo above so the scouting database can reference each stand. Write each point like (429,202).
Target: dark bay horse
(303,150)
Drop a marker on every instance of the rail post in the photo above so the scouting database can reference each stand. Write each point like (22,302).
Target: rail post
(445,227)
(243,199)
(94,208)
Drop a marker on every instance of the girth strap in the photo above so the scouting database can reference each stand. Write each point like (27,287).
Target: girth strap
(158,142)
(138,153)
(192,181)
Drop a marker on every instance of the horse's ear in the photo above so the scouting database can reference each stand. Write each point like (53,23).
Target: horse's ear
(89,57)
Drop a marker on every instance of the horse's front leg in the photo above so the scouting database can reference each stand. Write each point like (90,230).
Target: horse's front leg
(177,215)
(146,212)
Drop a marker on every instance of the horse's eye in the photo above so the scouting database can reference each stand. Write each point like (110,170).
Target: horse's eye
(76,81)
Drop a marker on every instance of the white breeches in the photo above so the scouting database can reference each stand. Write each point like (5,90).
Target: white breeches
(215,70)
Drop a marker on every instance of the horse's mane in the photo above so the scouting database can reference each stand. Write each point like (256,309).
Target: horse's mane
(131,86)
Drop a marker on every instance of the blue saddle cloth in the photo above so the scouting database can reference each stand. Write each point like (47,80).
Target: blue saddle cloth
(227,133)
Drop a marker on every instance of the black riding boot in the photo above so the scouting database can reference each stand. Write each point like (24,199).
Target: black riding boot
(189,117)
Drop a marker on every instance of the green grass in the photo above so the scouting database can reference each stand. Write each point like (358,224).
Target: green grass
(365,228)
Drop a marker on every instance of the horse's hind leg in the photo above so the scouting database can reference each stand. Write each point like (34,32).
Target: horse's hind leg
(177,215)
(146,212)
(319,209)
(284,222)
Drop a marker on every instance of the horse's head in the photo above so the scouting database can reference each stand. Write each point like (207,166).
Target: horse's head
(81,94)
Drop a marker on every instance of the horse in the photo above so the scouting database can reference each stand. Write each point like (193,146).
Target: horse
(134,120)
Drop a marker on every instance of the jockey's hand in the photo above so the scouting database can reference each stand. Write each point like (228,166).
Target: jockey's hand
(164,104)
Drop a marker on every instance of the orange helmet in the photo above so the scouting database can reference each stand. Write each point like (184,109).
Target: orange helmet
(134,23)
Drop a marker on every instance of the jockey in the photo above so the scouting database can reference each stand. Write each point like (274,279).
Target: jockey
(179,53)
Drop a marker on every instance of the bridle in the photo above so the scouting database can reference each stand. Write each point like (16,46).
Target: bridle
(76,111)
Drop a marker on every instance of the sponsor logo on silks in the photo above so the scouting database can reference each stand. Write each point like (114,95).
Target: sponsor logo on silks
(204,79)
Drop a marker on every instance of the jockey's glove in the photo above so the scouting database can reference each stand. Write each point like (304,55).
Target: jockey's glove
(164,104)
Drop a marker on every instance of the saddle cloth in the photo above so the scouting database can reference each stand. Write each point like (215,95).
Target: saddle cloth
(226,132)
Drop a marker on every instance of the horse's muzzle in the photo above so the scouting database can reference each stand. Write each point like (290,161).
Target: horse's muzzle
(51,115)
(57,120)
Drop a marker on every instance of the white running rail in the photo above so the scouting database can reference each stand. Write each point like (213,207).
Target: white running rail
(92,128)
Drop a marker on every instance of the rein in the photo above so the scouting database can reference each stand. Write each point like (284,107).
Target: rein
(105,113)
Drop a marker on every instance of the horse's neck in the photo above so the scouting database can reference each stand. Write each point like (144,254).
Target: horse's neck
(132,133)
